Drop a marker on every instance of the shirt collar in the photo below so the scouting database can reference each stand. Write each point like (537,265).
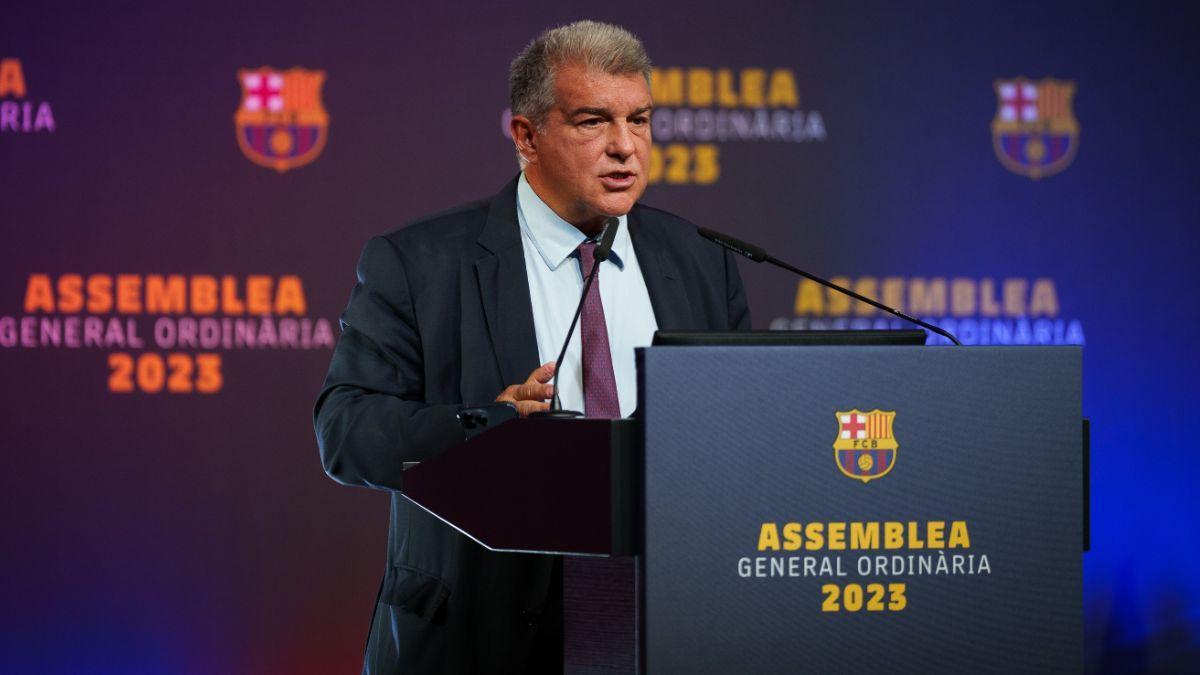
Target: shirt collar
(554,238)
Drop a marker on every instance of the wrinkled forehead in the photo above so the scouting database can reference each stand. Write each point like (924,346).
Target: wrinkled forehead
(577,86)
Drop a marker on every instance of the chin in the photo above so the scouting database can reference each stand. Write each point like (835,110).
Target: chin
(618,204)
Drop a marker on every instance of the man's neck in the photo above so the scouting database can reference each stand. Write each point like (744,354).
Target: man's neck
(591,226)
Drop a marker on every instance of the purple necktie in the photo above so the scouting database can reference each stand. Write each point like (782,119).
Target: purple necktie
(599,382)
(598,593)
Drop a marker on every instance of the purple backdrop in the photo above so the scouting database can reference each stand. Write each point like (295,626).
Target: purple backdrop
(168,530)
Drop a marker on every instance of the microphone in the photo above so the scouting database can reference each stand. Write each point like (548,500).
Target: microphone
(603,249)
(759,255)
(606,240)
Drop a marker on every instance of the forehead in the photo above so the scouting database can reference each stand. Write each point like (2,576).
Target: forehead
(577,86)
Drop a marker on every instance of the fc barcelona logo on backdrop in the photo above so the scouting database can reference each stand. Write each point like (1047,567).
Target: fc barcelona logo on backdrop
(865,448)
(281,122)
(1035,132)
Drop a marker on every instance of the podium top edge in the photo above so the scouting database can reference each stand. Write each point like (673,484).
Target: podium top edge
(858,348)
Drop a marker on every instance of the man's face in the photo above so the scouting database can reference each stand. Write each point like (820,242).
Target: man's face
(588,161)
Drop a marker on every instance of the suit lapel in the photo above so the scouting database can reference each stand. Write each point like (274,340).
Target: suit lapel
(668,297)
(504,289)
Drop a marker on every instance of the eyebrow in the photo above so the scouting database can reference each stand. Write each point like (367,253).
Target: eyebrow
(605,112)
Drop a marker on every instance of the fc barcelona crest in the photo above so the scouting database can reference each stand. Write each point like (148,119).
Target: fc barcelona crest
(1035,132)
(865,447)
(281,122)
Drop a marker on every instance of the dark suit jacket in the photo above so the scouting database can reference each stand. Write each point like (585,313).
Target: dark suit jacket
(441,317)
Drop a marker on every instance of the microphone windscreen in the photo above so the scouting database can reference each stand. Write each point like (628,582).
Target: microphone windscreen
(606,239)
(736,245)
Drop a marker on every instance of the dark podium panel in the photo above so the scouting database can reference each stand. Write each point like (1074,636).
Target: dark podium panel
(536,485)
(802,509)
(738,438)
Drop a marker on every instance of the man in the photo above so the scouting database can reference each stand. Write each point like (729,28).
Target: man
(460,308)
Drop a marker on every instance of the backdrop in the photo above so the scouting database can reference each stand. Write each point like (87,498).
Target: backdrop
(185,193)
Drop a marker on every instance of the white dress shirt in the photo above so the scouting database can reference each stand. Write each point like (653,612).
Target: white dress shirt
(555,284)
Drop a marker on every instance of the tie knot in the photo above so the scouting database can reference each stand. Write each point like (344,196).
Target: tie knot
(587,256)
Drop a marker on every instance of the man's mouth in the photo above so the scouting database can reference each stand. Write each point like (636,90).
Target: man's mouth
(618,180)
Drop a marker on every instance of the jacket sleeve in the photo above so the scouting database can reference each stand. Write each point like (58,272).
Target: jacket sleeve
(371,416)
(735,294)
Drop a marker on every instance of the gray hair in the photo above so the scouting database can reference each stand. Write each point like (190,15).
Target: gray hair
(599,46)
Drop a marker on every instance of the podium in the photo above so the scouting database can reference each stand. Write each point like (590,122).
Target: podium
(804,509)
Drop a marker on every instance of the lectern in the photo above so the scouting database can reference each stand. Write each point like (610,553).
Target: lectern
(805,509)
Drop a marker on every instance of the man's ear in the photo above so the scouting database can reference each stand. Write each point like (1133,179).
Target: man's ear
(524,135)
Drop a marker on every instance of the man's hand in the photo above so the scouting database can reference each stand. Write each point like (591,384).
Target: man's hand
(531,396)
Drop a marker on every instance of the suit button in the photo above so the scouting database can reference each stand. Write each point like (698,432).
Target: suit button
(530,617)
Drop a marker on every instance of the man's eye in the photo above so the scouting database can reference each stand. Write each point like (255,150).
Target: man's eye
(641,119)
(591,122)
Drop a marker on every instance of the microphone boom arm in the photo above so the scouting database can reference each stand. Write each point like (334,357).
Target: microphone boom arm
(759,255)
(878,305)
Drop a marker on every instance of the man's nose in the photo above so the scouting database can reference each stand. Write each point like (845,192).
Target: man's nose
(620,140)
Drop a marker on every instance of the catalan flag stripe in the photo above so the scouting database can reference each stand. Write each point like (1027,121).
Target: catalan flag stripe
(1052,101)
(300,91)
